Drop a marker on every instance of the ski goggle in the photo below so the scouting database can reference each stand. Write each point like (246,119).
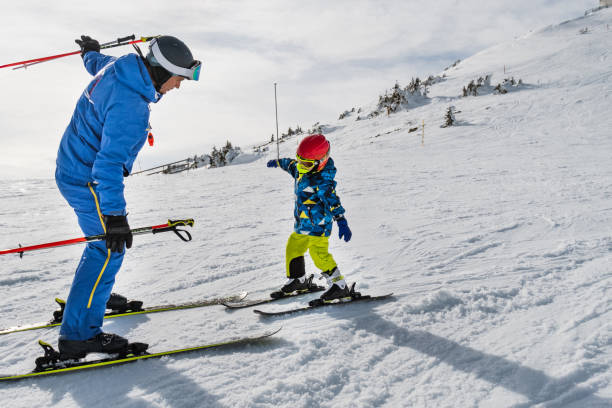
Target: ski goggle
(307,164)
(192,72)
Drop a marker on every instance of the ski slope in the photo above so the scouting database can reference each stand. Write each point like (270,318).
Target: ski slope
(494,235)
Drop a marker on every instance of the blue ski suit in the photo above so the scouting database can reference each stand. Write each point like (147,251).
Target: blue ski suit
(106,132)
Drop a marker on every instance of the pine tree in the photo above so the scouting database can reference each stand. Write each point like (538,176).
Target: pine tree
(449,118)
(214,157)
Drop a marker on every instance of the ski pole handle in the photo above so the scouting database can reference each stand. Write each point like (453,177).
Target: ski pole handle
(128,38)
(118,41)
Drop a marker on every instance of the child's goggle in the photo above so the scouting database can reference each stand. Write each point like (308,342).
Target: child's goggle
(306,163)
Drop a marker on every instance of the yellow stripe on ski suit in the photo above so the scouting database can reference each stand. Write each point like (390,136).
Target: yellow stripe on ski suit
(109,251)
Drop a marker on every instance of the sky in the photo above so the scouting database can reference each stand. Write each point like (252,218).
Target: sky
(324,56)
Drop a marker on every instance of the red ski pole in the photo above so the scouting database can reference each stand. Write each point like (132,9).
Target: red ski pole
(117,43)
(169,226)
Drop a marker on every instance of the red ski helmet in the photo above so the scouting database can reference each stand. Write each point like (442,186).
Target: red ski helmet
(313,151)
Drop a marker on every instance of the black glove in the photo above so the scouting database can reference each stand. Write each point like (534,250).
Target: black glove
(87,44)
(117,232)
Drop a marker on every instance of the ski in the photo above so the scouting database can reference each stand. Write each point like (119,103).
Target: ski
(316,303)
(50,364)
(239,305)
(153,309)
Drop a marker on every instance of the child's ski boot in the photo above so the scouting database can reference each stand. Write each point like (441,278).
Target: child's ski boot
(298,285)
(338,289)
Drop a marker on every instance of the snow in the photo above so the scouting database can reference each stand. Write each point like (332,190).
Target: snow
(495,237)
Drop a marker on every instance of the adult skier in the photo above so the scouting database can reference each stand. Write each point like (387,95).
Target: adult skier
(316,207)
(107,130)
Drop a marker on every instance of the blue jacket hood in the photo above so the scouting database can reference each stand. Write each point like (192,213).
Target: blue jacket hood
(138,79)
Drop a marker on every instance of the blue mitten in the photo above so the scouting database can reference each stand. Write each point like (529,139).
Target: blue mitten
(343,230)
(272,163)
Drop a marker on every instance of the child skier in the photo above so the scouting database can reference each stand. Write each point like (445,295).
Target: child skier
(316,206)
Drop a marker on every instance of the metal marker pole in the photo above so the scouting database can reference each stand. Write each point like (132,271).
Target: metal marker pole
(276,110)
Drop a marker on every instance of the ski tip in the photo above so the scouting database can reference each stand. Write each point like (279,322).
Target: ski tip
(262,313)
(272,332)
(234,299)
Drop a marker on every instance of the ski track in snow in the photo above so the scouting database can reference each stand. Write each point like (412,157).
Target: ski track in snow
(494,236)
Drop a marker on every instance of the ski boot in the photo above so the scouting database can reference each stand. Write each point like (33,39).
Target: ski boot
(116,303)
(100,343)
(119,304)
(338,288)
(336,294)
(336,291)
(297,285)
(54,360)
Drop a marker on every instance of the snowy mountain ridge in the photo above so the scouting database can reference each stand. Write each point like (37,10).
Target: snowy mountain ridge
(495,237)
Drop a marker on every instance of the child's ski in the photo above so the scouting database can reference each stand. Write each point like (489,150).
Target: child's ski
(313,304)
(153,309)
(50,364)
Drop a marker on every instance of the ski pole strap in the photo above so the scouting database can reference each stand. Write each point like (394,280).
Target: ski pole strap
(171,226)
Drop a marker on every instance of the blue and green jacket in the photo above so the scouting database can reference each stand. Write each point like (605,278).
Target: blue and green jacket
(316,203)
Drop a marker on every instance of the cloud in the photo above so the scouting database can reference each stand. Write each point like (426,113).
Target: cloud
(326,57)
